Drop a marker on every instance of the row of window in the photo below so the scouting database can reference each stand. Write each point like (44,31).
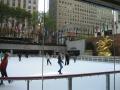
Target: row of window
(87,23)
(76,5)
(19,3)
(85,11)
(77,16)
(63,2)
(29,7)
(34,2)
(80,30)
(82,18)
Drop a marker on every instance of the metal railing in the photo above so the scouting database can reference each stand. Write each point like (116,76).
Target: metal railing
(100,58)
(68,76)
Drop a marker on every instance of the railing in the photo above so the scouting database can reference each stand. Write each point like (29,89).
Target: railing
(115,59)
(68,76)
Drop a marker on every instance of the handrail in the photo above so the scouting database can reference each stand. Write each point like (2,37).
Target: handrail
(68,76)
(100,58)
(58,76)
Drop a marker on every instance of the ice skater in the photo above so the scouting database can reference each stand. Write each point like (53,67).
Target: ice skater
(74,58)
(1,55)
(19,56)
(60,63)
(67,58)
(3,67)
(48,59)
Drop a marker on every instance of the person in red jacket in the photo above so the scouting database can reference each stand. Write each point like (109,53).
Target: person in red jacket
(3,67)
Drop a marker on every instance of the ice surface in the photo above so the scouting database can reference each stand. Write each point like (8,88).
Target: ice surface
(32,66)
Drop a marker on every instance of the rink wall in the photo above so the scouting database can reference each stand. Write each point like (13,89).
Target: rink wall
(32,47)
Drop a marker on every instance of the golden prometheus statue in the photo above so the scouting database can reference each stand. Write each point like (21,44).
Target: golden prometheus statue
(103,46)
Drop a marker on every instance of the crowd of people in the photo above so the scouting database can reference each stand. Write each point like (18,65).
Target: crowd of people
(60,57)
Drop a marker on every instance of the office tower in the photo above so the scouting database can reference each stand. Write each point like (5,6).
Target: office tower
(79,17)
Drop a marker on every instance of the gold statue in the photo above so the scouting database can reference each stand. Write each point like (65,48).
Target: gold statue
(103,46)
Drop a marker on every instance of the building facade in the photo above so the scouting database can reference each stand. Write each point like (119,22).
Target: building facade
(117,22)
(28,5)
(21,28)
(83,17)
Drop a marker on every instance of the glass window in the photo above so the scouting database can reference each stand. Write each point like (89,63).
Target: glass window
(29,7)
(29,1)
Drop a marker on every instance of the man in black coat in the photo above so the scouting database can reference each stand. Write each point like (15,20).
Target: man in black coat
(67,58)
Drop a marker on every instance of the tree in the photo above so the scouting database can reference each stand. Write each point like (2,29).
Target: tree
(14,14)
(49,23)
(34,19)
(49,27)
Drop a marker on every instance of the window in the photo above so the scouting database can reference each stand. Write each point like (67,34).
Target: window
(34,2)
(29,11)
(19,3)
(8,2)
(29,7)
(24,4)
(29,2)
(13,3)
(34,8)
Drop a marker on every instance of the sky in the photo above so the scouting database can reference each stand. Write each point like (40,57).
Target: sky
(41,5)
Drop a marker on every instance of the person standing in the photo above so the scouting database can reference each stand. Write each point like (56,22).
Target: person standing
(48,59)
(67,57)
(1,55)
(60,63)
(19,56)
(3,67)
(74,58)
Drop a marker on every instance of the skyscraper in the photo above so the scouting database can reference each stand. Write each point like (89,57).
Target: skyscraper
(80,17)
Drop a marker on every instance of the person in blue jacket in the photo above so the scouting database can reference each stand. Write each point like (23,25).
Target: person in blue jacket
(60,63)
(1,55)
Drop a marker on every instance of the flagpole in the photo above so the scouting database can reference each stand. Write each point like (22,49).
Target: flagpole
(114,48)
(43,48)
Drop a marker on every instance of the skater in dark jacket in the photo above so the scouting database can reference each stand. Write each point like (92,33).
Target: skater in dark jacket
(67,58)
(48,59)
(3,67)
(19,56)
(60,63)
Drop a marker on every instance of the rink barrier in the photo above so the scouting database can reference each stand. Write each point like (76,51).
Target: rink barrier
(61,76)
(111,59)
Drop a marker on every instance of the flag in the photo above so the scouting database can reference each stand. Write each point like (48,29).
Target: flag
(17,29)
(116,26)
(103,29)
(113,25)
(46,31)
(93,30)
(107,27)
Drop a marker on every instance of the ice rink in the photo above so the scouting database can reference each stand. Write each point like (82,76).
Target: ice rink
(32,66)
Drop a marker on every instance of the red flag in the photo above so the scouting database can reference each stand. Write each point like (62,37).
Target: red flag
(17,29)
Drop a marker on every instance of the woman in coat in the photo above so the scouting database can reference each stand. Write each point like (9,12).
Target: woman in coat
(3,67)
